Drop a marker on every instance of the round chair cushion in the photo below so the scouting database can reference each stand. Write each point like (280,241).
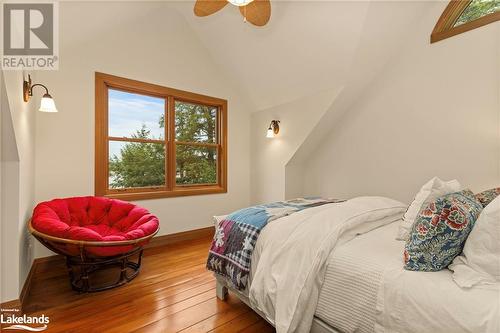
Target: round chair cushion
(95,219)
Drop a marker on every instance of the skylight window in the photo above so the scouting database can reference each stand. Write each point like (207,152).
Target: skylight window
(464,15)
(477,9)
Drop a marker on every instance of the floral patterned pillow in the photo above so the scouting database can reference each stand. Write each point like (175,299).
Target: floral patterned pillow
(488,196)
(440,230)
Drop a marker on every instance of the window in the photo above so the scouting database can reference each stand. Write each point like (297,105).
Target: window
(154,142)
(464,15)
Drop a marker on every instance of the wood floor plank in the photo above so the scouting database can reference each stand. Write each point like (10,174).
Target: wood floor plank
(138,319)
(236,309)
(48,300)
(185,318)
(173,293)
(238,324)
(260,326)
(74,320)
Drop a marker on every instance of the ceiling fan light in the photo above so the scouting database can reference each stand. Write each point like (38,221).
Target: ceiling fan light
(240,3)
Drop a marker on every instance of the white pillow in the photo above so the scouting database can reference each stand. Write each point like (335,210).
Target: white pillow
(480,260)
(431,190)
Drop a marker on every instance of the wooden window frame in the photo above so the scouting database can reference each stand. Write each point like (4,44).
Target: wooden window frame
(103,82)
(444,27)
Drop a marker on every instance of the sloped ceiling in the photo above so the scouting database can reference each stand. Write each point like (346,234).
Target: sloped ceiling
(306,47)
(387,30)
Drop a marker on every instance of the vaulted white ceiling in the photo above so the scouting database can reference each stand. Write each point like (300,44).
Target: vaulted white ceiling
(306,47)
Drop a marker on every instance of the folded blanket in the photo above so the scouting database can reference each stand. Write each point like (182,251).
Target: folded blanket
(236,235)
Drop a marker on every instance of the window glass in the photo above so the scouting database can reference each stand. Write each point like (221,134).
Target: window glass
(196,165)
(147,148)
(133,115)
(477,9)
(136,164)
(195,122)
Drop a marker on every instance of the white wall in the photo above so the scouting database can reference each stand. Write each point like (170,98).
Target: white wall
(154,45)
(17,172)
(385,27)
(270,156)
(433,112)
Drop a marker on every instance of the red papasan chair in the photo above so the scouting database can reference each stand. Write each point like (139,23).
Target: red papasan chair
(94,233)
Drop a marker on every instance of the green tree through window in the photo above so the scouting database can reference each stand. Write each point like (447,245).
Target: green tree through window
(142,164)
(138,164)
(156,142)
(477,9)
(461,16)
(196,155)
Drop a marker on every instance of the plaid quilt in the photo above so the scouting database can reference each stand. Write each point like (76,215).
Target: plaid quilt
(235,236)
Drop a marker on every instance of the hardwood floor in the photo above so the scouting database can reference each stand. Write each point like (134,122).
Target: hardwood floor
(173,293)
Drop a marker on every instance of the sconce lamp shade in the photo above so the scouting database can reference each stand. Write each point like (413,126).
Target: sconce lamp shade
(270,133)
(47,104)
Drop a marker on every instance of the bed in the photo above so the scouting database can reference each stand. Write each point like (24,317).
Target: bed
(361,290)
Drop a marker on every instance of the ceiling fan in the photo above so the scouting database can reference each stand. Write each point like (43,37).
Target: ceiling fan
(257,12)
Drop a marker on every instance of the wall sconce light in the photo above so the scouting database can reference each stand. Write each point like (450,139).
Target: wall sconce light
(46,104)
(274,129)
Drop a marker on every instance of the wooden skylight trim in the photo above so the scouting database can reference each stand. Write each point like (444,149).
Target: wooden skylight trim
(445,25)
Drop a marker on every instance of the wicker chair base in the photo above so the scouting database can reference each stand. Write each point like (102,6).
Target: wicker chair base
(82,259)
(81,269)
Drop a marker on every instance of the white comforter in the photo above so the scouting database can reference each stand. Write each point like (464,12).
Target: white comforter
(289,263)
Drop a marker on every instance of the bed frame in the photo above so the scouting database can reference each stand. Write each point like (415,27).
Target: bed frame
(222,288)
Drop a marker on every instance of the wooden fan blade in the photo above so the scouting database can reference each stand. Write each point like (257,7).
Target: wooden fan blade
(208,7)
(257,12)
